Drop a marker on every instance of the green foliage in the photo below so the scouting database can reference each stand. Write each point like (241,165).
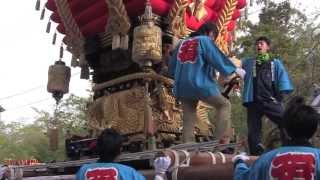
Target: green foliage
(239,117)
(71,113)
(18,141)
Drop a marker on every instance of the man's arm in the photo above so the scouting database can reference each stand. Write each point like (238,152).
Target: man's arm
(241,170)
(80,173)
(240,167)
(283,81)
(217,59)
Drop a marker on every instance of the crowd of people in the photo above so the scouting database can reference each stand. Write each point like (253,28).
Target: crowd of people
(193,64)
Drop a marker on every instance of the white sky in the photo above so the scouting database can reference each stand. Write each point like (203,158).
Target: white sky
(27,52)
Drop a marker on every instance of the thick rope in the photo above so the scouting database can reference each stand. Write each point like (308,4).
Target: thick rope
(224,18)
(213,157)
(71,27)
(223,157)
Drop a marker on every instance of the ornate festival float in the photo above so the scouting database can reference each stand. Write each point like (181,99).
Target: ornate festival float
(123,46)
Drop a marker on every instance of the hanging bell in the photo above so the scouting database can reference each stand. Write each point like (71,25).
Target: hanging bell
(147,45)
(58,80)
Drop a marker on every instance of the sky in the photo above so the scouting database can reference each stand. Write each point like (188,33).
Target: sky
(27,52)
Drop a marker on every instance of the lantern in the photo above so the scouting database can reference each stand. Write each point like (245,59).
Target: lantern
(58,79)
(147,45)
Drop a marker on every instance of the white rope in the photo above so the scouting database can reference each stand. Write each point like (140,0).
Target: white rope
(174,168)
(186,162)
(223,157)
(213,157)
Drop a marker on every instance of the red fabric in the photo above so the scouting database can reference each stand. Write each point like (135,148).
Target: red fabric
(241,4)
(169,1)
(236,14)
(102,173)
(55,17)
(61,29)
(214,17)
(51,5)
(210,3)
(135,7)
(94,27)
(160,7)
(219,5)
(231,25)
(188,51)
(228,37)
(89,29)
(91,13)
(293,165)
(194,24)
(77,6)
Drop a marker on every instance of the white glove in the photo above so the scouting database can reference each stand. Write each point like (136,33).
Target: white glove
(161,164)
(241,72)
(243,156)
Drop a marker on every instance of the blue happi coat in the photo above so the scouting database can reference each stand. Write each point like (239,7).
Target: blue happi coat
(285,163)
(110,171)
(281,79)
(193,67)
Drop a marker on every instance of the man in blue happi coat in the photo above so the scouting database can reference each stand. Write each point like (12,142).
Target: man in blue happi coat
(265,83)
(296,159)
(109,146)
(193,65)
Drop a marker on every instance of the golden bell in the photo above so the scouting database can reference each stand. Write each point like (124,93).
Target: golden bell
(58,78)
(147,44)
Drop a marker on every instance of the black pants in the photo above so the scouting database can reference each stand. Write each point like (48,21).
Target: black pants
(255,112)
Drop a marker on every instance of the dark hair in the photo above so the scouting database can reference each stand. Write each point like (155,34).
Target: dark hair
(300,120)
(166,39)
(109,145)
(205,29)
(265,39)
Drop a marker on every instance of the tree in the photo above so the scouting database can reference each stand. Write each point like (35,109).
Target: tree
(19,141)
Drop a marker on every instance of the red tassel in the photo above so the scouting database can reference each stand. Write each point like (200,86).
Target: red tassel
(38,5)
(54,39)
(42,13)
(48,26)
